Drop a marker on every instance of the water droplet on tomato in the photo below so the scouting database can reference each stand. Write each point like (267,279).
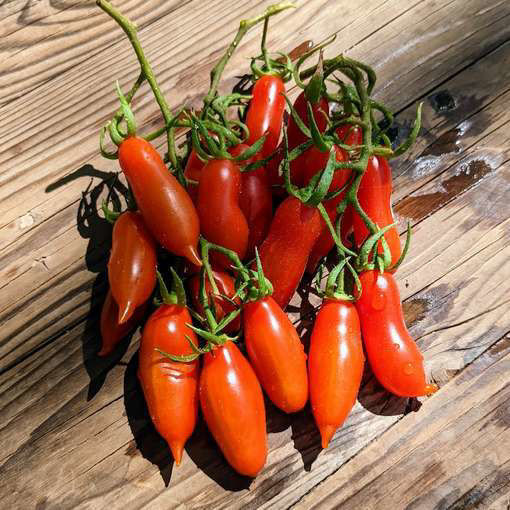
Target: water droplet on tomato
(408,369)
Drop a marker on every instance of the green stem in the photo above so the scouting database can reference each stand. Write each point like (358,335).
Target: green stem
(130,30)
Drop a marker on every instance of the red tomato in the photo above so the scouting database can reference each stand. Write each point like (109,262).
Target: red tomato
(393,355)
(315,162)
(167,209)
(256,202)
(335,365)
(284,253)
(233,407)
(265,112)
(276,353)
(111,331)
(170,387)
(374,196)
(299,166)
(221,219)
(192,171)
(226,286)
(132,264)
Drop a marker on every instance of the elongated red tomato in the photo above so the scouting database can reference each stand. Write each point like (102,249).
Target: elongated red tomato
(265,112)
(132,264)
(299,167)
(166,207)
(233,407)
(316,161)
(226,286)
(256,202)
(375,198)
(335,365)
(192,171)
(393,355)
(276,353)
(221,219)
(170,387)
(111,331)
(284,253)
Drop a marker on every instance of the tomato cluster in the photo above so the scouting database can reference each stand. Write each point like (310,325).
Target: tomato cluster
(252,204)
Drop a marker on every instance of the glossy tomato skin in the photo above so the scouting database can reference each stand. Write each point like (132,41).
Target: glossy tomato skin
(256,202)
(299,166)
(233,407)
(111,331)
(276,354)
(315,162)
(132,264)
(393,355)
(335,365)
(170,387)
(221,218)
(226,286)
(375,198)
(284,253)
(166,207)
(192,171)
(265,112)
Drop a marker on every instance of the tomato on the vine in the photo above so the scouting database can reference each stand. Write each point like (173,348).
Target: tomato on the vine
(284,253)
(335,365)
(233,407)
(132,264)
(374,196)
(221,218)
(265,112)
(394,357)
(170,387)
(166,207)
(276,353)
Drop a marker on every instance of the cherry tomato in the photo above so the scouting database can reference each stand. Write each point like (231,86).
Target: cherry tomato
(393,355)
(132,264)
(284,253)
(226,286)
(374,196)
(221,218)
(256,202)
(276,353)
(335,365)
(299,166)
(192,171)
(233,407)
(170,387)
(265,112)
(167,209)
(315,162)
(111,331)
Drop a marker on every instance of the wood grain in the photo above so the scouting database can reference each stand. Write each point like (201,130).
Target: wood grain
(75,430)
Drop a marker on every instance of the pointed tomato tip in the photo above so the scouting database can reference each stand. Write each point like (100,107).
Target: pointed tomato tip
(104,351)
(327,432)
(430,389)
(176,448)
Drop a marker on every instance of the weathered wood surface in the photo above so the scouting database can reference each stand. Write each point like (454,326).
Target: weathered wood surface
(74,430)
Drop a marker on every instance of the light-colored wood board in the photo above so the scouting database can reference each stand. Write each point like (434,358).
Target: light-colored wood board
(453,454)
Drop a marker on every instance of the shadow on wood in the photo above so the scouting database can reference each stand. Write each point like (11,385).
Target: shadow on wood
(98,231)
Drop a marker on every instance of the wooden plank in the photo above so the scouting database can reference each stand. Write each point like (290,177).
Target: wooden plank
(50,247)
(453,454)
